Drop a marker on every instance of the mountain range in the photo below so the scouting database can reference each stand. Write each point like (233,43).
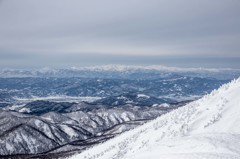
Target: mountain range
(206,128)
(122,71)
(58,115)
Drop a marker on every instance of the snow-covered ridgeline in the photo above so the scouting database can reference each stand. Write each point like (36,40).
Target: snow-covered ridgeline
(206,128)
(110,68)
(58,98)
(125,68)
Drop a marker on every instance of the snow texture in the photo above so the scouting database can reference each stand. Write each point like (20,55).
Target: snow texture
(207,128)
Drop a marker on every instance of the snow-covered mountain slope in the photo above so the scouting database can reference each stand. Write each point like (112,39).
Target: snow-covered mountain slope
(207,128)
(55,132)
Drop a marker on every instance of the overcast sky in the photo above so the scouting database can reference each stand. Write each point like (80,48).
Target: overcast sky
(64,33)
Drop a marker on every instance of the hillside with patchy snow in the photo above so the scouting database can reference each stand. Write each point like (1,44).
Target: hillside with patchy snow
(207,128)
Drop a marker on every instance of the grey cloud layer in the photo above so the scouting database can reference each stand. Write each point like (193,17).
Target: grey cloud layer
(34,28)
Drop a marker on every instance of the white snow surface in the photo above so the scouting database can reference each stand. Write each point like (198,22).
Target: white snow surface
(59,98)
(204,129)
(143,96)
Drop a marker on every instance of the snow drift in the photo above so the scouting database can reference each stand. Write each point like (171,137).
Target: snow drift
(206,128)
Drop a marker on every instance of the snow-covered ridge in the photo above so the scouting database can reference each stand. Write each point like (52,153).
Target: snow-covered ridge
(54,132)
(58,98)
(122,71)
(114,68)
(206,128)
(124,68)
